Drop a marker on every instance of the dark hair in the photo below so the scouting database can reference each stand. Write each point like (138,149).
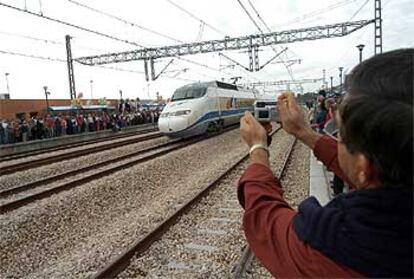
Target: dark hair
(377,115)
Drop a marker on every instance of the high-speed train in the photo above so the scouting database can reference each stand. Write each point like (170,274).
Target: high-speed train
(201,107)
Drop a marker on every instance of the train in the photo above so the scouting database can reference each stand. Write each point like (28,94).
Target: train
(204,107)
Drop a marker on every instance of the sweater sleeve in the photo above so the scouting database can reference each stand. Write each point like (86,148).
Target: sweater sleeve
(326,151)
(268,226)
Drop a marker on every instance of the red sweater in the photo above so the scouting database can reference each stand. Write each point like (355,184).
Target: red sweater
(268,223)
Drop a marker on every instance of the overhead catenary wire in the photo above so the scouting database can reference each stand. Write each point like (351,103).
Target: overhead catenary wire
(100,33)
(317,12)
(124,21)
(32,56)
(250,16)
(56,59)
(359,10)
(32,38)
(150,30)
(195,17)
(289,71)
(70,24)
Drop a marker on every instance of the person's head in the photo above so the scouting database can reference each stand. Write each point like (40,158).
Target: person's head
(329,102)
(376,121)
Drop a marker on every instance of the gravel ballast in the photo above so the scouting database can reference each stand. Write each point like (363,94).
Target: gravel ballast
(207,241)
(76,232)
(31,175)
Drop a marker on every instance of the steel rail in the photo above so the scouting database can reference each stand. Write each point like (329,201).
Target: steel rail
(141,245)
(58,147)
(60,176)
(6,207)
(247,256)
(48,160)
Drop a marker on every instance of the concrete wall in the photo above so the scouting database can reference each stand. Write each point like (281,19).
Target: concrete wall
(9,108)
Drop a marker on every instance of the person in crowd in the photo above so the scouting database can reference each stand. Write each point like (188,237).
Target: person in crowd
(367,232)
(320,115)
(64,125)
(3,132)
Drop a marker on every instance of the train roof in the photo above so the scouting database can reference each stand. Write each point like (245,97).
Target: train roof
(218,84)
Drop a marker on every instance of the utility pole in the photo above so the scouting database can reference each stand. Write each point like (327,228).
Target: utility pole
(360,48)
(120,93)
(340,79)
(324,78)
(7,82)
(47,99)
(91,83)
(331,77)
(72,89)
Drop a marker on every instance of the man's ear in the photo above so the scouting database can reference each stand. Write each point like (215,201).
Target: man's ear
(364,171)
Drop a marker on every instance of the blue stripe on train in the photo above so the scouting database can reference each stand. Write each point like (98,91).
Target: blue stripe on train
(215,114)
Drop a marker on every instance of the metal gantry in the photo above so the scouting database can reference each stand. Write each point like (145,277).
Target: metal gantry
(378,27)
(251,42)
(285,82)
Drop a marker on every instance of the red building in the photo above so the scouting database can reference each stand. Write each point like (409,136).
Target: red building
(18,108)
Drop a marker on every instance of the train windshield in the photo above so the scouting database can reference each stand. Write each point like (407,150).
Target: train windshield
(189,92)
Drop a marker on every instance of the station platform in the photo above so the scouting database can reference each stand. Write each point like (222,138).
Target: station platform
(8,149)
(320,181)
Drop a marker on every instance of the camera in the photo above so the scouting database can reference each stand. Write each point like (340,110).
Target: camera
(266,111)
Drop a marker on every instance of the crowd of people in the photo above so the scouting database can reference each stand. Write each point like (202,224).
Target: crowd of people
(21,130)
(322,118)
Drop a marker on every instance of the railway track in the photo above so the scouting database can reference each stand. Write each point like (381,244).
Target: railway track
(12,168)
(23,154)
(19,196)
(117,266)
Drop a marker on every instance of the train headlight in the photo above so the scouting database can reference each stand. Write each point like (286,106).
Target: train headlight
(182,112)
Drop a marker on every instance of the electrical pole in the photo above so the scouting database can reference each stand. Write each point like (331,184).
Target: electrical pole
(7,83)
(72,89)
(340,79)
(360,48)
(331,77)
(91,83)
(47,99)
(120,93)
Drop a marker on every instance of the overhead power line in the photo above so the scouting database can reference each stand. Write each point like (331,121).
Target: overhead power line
(203,23)
(71,25)
(32,56)
(195,17)
(250,16)
(359,10)
(258,15)
(56,59)
(317,12)
(125,21)
(32,38)
(288,69)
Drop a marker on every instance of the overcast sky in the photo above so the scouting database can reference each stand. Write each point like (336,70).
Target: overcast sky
(27,76)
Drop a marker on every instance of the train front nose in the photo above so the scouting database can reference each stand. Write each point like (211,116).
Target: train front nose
(170,124)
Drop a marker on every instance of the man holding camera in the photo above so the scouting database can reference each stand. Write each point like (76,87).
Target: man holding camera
(367,232)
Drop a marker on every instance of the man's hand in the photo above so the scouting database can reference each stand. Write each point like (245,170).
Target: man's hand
(291,115)
(293,120)
(252,131)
